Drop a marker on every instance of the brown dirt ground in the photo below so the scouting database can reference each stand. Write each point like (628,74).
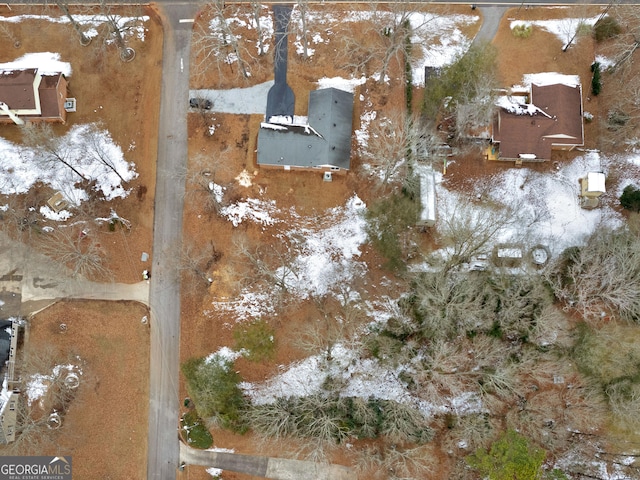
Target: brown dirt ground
(122,96)
(136,87)
(233,147)
(105,429)
(234,141)
(515,59)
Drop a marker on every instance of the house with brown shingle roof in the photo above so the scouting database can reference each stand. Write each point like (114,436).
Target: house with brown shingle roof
(530,125)
(28,95)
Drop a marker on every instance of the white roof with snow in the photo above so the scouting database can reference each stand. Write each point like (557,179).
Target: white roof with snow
(47,63)
(595,182)
(551,78)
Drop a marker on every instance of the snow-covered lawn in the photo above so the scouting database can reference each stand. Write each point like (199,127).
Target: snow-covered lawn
(563,28)
(325,253)
(88,149)
(91,152)
(131,26)
(548,203)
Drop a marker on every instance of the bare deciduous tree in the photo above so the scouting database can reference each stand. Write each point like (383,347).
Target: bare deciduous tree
(601,278)
(257,9)
(302,10)
(96,149)
(273,264)
(7,31)
(77,249)
(386,33)
(201,183)
(64,5)
(395,142)
(196,262)
(329,329)
(122,19)
(395,462)
(469,227)
(575,25)
(38,419)
(51,149)
(217,44)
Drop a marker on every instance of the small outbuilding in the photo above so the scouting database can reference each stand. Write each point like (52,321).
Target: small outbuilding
(427,183)
(592,186)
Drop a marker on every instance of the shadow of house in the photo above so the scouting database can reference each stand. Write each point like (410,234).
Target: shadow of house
(320,141)
(530,125)
(28,95)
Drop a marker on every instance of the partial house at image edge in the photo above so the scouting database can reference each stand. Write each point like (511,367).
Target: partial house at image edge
(324,142)
(529,128)
(9,391)
(28,95)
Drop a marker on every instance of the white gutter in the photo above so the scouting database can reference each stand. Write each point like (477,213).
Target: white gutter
(5,108)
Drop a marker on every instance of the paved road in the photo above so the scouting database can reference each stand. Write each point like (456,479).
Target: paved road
(163,451)
(164,296)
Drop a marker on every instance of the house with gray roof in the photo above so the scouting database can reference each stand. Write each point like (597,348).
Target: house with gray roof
(320,141)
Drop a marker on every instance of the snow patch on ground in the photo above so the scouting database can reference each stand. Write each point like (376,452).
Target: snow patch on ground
(324,255)
(38,384)
(360,377)
(327,255)
(131,26)
(605,62)
(550,78)
(217,472)
(247,305)
(223,356)
(348,85)
(548,206)
(258,211)
(563,28)
(22,167)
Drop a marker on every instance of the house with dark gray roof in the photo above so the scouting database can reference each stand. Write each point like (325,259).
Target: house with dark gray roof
(320,141)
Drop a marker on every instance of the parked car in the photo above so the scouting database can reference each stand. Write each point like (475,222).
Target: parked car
(200,103)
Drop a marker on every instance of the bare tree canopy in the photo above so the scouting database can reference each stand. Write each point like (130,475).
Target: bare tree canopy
(386,38)
(602,278)
(219,44)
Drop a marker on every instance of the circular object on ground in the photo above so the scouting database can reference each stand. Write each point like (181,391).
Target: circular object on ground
(540,255)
